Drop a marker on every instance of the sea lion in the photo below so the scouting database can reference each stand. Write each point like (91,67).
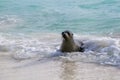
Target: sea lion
(69,44)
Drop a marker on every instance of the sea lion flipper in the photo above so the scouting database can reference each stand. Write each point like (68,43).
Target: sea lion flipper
(81,49)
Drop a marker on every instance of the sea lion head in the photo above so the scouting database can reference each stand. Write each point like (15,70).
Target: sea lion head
(67,35)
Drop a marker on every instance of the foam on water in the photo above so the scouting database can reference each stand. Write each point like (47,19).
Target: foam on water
(102,50)
(8,21)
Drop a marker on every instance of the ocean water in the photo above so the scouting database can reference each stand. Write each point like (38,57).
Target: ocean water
(81,16)
(31,29)
(30,35)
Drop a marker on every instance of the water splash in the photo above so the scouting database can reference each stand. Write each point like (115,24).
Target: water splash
(102,50)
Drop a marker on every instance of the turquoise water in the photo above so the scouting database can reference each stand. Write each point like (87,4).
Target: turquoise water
(46,19)
(79,16)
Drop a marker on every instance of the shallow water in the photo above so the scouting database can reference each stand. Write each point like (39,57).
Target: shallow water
(55,69)
(21,57)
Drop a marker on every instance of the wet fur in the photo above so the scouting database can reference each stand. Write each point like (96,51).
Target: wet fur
(69,44)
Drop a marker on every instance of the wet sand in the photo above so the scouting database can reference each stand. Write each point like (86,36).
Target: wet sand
(11,69)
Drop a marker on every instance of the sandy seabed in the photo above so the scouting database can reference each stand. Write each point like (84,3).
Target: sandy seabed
(11,69)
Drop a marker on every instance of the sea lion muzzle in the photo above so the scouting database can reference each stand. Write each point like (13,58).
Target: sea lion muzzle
(65,35)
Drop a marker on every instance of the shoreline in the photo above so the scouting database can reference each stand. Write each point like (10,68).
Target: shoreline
(55,70)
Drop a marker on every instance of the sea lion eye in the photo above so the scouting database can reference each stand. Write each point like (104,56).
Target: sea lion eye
(62,33)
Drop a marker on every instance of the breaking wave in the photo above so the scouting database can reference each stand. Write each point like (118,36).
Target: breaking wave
(102,50)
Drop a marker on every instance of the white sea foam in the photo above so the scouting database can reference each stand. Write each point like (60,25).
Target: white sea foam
(103,50)
(8,21)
